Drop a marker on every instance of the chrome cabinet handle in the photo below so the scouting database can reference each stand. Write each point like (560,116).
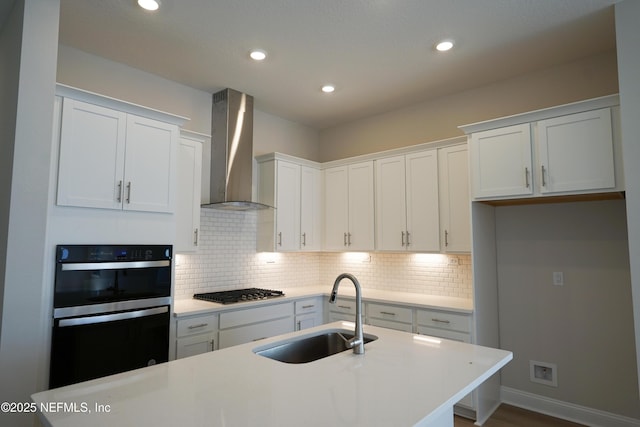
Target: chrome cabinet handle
(345,239)
(544,182)
(280,238)
(441,321)
(304,239)
(526,177)
(402,232)
(388,313)
(408,242)
(346,307)
(446,238)
(212,343)
(349,239)
(195,237)
(201,325)
(129,192)
(119,192)
(308,306)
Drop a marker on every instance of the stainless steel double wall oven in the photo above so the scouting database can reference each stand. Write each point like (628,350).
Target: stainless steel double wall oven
(111,310)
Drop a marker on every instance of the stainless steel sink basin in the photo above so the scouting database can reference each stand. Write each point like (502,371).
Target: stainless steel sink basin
(309,348)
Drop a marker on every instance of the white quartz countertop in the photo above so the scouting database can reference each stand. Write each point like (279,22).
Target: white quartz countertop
(401,380)
(186,307)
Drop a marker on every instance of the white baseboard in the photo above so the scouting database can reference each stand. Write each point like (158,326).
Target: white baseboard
(564,410)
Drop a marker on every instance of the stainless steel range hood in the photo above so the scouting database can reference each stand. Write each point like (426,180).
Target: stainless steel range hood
(232,152)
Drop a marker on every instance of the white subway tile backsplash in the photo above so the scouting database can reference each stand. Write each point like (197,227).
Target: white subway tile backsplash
(227,259)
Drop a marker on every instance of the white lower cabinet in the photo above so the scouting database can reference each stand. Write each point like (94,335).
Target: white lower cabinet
(451,326)
(308,313)
(196,335)
(390,316)
(253,324)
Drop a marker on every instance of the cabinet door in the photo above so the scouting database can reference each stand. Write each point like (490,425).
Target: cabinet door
(391,202)
(188,195)
(423,223)
(361,207)
(196,344)
(336,208)
(149,174)
(310,209)
(576,152)
(501,162)
(455,206)
(287,206)
(92,148)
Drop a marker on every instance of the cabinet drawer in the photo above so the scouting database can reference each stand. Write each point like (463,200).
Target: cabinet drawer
(310,305)
(444,320)
(197,325)
(345,306)
(336,317)
(245,334)
(254,315)
(440,333)
(195,344)
(405,327)
(390,312)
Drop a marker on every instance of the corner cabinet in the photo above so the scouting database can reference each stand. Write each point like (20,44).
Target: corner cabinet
(188,194)
(113,155)
(294,188)
(349,207)
(567,150)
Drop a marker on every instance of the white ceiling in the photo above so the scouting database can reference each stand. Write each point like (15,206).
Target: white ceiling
(378,53)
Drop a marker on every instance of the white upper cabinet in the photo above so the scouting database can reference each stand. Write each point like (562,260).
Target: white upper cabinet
(567,150)
(455,203)
(407,202)
(188,192)
(575,152)
(501,161)
(349,207)
(294,189)
(114,159)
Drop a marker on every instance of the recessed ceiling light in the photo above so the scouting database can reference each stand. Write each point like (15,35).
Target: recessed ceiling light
(149,4)
(444,45)
(258,54)
(328,88)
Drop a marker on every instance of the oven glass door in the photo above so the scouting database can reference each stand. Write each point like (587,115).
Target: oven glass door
(90,347)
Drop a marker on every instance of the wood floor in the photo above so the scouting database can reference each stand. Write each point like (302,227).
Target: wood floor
(511,416)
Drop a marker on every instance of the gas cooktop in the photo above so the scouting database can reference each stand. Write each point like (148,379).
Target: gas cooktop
(238,295)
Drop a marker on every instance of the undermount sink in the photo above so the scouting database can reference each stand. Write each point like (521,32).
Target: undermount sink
(309,348)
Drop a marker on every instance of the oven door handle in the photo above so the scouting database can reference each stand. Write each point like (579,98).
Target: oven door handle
(127,315)
(82,266)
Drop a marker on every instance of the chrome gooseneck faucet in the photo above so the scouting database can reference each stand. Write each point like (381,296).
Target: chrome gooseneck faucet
(357,342)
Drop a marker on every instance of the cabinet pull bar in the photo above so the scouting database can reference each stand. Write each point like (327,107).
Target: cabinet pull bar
(280,238)
(446,238)
(388,313)
(441,321)
(346,307)
(349,238)
(120,191)
(212,343)
(544,182)
(195,237)
(345,239)
(201,325)
(308,306)
(402,232)
(526,177)
(299,325)
(129,192)
(261,338)
(408,241)
(304,239)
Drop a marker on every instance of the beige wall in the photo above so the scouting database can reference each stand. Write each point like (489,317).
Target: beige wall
(584,327)
(439,119)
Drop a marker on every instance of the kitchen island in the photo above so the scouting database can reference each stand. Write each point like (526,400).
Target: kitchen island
(402,380)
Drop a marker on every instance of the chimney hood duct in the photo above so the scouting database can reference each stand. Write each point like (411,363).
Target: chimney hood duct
(232,152)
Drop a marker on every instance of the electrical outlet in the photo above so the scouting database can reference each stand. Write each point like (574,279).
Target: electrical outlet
(453,260)
(543,373)
(558,278)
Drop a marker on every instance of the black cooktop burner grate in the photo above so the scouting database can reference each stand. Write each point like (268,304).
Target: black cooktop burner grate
(238,295)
